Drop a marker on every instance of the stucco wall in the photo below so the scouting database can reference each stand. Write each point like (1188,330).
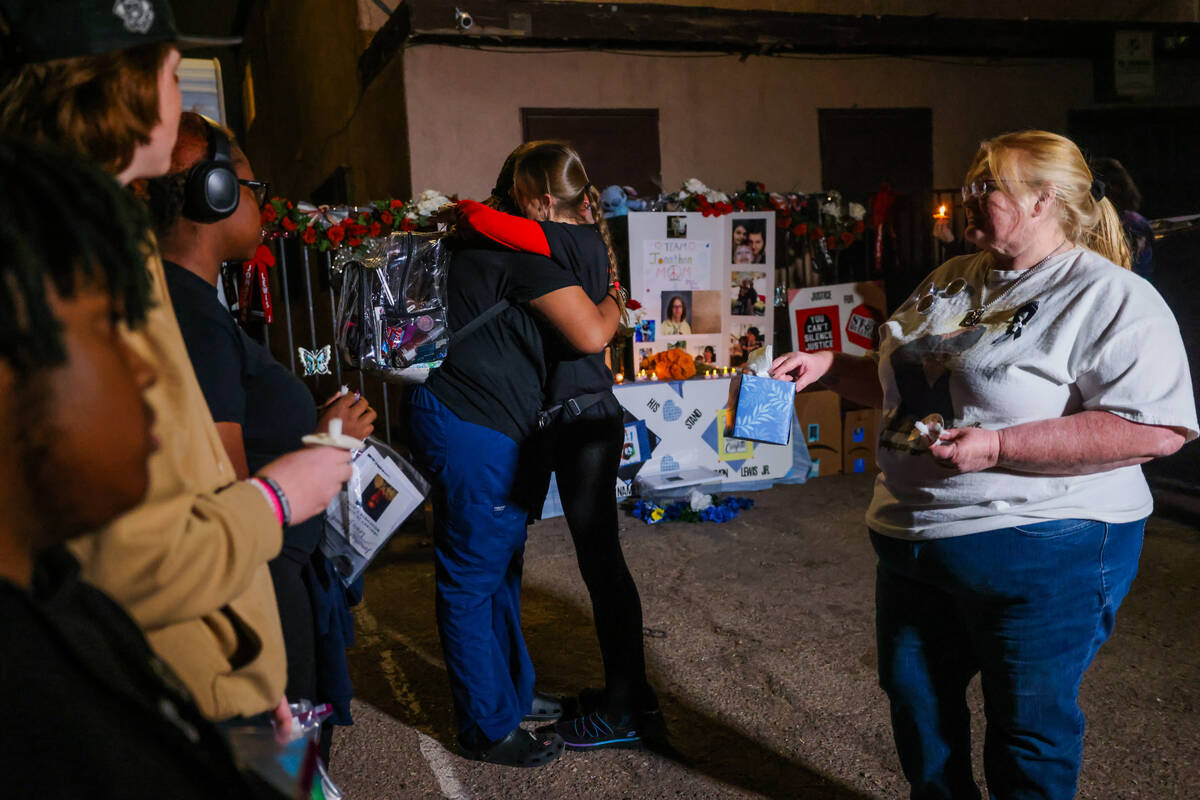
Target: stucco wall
(721,120)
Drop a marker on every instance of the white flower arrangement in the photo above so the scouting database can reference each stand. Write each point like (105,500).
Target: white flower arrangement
(857,211)
(430,201)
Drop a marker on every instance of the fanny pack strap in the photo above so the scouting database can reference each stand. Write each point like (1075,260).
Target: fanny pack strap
(571,407)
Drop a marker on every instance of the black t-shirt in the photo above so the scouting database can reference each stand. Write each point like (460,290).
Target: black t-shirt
(91,710)
(495,376)
(571,374)
(243,383)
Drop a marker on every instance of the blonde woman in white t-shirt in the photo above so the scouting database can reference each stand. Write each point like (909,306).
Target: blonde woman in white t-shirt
(1021,387)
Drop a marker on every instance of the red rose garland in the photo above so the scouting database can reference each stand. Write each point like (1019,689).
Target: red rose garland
(280,218)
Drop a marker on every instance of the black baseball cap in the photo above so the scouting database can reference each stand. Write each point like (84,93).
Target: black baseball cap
(32,31)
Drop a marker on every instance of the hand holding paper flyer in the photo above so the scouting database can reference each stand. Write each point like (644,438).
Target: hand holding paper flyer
(382,492)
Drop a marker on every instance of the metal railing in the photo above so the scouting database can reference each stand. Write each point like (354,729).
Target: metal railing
(304,303)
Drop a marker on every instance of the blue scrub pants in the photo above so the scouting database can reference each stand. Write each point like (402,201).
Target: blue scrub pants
(1026,608)
(479,542)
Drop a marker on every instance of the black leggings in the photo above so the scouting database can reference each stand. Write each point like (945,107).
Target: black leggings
(586,454)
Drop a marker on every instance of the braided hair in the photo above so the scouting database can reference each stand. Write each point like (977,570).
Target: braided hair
(70,225)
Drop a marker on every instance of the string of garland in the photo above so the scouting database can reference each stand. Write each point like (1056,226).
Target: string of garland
(722,510)
(330,228)
(820,217)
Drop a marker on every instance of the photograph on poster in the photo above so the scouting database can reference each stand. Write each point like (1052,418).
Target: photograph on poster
(748,293)
(644,331)
(703,349)
(753,233)
(743,340)
(677,227)
(672,265)
(706,311)
(738,239)
(643,353)
(676,313)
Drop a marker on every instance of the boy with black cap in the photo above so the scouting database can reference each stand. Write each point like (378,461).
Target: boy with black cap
(189,564)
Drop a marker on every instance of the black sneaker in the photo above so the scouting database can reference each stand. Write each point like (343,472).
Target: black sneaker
(520,748)
(595,731)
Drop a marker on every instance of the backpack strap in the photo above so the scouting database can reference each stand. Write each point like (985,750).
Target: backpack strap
(478,322)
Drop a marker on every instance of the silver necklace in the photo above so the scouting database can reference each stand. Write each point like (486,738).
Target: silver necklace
(975,315)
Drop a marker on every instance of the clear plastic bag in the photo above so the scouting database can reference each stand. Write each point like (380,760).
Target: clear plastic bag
(391,318)
(383,491)
(288,761)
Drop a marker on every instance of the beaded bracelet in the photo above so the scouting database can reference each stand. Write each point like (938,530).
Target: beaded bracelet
(270,496)
(274,494)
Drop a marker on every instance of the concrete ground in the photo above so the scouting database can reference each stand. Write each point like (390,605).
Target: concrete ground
(763,655)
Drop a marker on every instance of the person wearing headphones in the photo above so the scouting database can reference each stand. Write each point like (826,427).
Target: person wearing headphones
(261,409)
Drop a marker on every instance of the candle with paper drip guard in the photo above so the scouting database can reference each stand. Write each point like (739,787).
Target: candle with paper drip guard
(926,432)
(941,213)
(334,438)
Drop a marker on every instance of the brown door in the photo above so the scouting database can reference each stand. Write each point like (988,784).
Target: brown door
(864,147)
(618,145)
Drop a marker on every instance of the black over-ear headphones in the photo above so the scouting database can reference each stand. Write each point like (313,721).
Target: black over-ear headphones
(211,192)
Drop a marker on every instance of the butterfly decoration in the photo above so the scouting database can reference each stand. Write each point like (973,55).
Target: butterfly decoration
(316,362)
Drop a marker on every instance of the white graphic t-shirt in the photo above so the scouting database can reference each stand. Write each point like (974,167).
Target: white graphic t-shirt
(1079,333)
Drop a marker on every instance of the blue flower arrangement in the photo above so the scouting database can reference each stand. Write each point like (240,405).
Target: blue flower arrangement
(721,510)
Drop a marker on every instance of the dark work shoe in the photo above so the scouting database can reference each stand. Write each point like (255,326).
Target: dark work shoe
(520,748)
(596,731)
(546,708)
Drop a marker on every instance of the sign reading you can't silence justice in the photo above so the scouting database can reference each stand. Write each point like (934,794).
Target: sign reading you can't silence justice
(844,317)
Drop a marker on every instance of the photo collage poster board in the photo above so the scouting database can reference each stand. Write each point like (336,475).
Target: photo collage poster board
(705,283)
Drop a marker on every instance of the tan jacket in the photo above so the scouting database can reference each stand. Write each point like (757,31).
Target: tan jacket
(189,564)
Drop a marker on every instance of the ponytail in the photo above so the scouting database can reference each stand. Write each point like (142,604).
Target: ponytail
(1032,161)
(1107,236)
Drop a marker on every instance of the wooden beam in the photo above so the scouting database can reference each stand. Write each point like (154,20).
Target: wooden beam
(655,27)
(387,41)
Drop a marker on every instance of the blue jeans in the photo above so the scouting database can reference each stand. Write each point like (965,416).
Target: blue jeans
(479,547)
(1026,608)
